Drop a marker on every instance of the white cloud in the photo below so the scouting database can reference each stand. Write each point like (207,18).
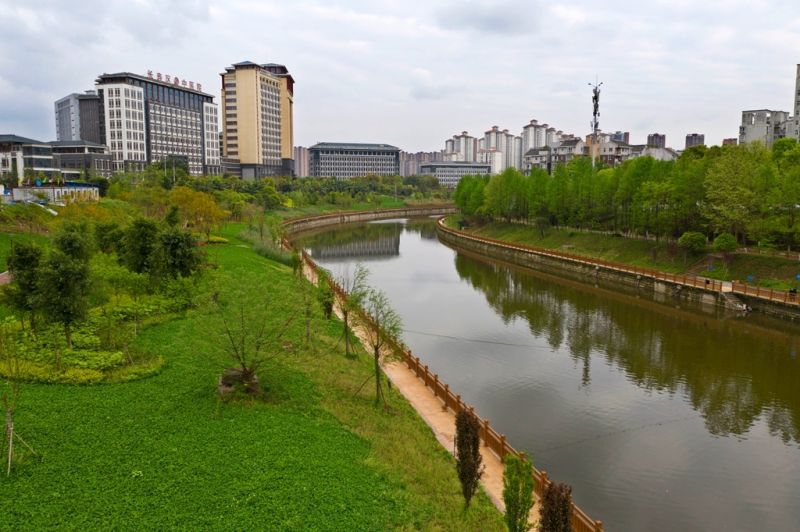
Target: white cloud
(414,74)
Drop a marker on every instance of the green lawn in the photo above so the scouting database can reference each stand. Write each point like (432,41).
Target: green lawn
(767,271)
(165,453)
(606,247)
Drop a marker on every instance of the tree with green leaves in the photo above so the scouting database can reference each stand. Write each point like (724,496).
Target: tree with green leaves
(382,325)
(139,242)
(108,237)
(176,254)
(22,293)
(692,243)
(354,283)
(469,462)
(517,492)
(736,188)
(64,288)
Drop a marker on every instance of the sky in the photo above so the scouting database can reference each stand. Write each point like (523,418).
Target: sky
(412,73)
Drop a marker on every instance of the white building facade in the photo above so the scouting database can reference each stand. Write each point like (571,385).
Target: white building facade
(150,119)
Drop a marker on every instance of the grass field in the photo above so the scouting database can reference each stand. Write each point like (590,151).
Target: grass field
(767,271)
(165,453)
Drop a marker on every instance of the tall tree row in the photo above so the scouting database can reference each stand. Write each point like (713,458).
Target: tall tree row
(749,191)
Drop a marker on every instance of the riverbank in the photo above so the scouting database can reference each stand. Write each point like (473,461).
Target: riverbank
(431,398)
(766,271)
(164,452)
(734,295)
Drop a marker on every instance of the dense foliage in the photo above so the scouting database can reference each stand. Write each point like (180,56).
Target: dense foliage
(517,492)
(313,457)
(468,453)
(748,191)
(556,510)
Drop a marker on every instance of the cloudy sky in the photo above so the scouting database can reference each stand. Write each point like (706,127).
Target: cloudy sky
(413,73)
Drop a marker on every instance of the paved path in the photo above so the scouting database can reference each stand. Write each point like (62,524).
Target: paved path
(441,421)
(5,278)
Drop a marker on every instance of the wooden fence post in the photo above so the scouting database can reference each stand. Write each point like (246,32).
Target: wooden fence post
(446,396)
(485,432)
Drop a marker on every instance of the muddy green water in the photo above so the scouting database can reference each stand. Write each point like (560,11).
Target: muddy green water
(661,418)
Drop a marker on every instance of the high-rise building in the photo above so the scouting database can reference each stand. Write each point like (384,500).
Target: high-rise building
(301,161)
(695,139)
(621,136)
(348,160)
(461,147)
(78,117)
(797,104)
(657,140)
(764,126)
(730,142)
(258,129)
(410,163)
(155,118)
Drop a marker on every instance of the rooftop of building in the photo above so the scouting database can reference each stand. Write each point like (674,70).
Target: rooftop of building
(16,139)
(61,143)
(273,68)
(456,163)
(353,146)
(570,142)
(120,76)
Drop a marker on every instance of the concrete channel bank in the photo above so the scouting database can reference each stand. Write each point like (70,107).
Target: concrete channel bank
(664,286)
(433,400)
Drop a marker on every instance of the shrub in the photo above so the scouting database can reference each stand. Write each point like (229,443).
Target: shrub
(556,512)
(273,253)
(725,243)
(468,453)
(692,242)
(517,492)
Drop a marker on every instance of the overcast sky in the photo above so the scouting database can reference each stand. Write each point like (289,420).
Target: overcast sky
(413,73)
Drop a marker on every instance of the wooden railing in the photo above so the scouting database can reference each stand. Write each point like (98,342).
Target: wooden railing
(710,285)
(495,441)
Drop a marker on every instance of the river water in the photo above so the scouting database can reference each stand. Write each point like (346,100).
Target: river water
(660,418)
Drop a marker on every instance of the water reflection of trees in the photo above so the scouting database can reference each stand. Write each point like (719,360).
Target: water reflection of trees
(730,371)
(426,227)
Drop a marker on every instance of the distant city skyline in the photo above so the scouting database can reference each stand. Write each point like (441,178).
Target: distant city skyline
(383,72)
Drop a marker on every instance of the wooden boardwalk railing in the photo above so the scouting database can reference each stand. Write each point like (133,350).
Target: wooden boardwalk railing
(581,522)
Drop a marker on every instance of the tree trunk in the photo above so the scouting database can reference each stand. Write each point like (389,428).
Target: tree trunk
(10,438)
(346,334)
(68,334)
(378,390)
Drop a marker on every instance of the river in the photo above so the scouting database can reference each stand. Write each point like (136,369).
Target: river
(661,418)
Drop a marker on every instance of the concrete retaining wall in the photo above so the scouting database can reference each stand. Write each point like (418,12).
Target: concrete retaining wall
(630,282)
(299,225)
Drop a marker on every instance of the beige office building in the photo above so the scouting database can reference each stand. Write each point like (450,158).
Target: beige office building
(258,124)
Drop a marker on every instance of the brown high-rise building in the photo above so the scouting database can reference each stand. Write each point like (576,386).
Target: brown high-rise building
(258,124)
(695,139)
(657,140)
(730,142)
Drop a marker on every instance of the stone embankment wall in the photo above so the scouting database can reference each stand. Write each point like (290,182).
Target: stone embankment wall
(632,279)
